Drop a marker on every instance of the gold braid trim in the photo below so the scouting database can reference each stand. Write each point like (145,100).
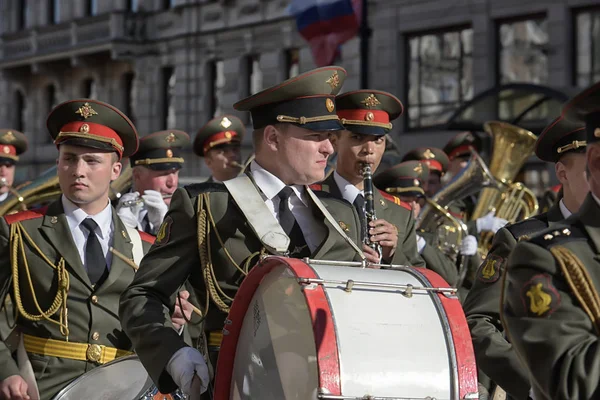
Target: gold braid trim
(580,282)
(307,120)
(150,161)
(17,233)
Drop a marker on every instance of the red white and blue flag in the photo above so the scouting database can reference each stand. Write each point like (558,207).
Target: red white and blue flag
(326,24)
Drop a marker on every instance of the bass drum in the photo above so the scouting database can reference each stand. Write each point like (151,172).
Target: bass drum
(124,379)
(316,331)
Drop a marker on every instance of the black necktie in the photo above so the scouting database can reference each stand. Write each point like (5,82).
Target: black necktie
(94,257)
(359,204)
(298,247)
(146,224)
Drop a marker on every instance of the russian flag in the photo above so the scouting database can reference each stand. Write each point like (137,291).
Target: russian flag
(326,24)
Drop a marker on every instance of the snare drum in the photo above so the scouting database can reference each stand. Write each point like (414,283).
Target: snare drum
(124,378)
(326,331)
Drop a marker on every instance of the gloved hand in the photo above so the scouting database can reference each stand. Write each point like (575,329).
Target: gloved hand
(489,223)
(156,206)
(129,215)
(184,365)
(468,246)
(421,243)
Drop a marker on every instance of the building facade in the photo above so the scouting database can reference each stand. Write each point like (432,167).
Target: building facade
(176,63)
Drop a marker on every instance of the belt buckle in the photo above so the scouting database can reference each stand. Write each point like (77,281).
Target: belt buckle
(94,353)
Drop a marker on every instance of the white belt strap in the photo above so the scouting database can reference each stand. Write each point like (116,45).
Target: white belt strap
(333,223)
(136,241)
(261,220)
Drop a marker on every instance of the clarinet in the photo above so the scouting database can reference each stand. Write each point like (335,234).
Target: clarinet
(369,207)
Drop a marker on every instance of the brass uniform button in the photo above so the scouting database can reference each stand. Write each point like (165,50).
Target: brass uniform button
(95,336)
(95,299)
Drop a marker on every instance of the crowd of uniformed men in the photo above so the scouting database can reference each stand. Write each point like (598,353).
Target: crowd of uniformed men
(73,299)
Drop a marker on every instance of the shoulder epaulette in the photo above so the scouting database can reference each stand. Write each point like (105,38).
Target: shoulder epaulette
(559,234)
(25,215)
(395,200)
(196,188)
(525,229)
(146,237)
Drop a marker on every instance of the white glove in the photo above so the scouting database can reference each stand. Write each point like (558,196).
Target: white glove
(129,215)
(421,243)
(156,206)
(184,365)
(489,223)
(468,246)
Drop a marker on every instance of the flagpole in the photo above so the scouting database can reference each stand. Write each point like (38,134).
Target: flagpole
(365,35)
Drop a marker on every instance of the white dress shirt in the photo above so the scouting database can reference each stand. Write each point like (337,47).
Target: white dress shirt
(349,191)
(563,209)
(313,230)
(104,231)
(3,196)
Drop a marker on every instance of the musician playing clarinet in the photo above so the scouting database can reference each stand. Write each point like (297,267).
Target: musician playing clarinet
(386,221)
(156,168)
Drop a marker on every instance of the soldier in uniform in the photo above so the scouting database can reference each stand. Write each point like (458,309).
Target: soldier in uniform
(406,181)
(12,144)
(564,144)
(436,160)
(219,142)
(67,314)
(155,167)
(459,149)
(367,116)
(551,301)
(207,237)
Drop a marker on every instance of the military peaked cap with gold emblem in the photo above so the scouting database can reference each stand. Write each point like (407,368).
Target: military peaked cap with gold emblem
(12,143)
(161,150)
(92,123)
(461,144)
(405,178)
(368,112)
(560,137)
(307,100)
(223,130)
(435,158)
(585,108)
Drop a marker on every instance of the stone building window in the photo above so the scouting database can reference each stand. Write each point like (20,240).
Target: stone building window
(89,89)
(292,63)
(522,51)
(53,11)
(168,96)
(133,5)
(19,111)
(587,25)
(129,93)
(440,75)
(22,14)
(91,8)
(166,4)
(255,75)
(217,77)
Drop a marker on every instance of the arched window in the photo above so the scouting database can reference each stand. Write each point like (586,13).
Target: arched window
(53,11)
(168,95)
(91,8)
(89,89)
(19,111)
(129,95)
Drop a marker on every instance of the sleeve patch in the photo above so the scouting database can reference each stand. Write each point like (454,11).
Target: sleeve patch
(539,296)
(489,272)
(164,232)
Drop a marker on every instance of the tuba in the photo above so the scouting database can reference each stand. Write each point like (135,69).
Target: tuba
(40,191)
(512,201)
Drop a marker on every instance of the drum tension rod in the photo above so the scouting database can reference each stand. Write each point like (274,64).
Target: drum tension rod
(407,290)
(369,397)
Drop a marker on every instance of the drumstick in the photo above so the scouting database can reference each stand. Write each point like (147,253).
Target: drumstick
(132,264)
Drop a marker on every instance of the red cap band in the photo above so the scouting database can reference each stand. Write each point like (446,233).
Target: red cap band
(93,131)
(217,139)
(7,150)
(434,164)
(365,115)
(460,150)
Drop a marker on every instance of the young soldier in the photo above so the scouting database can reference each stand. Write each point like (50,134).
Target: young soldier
(12,144)
(562,143)
(156,167)
(68,314)
(551,283)
(292,122)
(436,160)
(219,143)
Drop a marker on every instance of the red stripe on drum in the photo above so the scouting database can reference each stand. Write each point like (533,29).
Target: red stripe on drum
(461,336)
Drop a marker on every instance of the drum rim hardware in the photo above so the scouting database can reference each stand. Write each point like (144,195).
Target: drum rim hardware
(369,397)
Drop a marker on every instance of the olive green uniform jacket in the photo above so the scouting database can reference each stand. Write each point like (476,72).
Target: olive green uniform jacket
(494,354)
(548,279)
(388,208)
(437,261)
(50,232)
(175,257)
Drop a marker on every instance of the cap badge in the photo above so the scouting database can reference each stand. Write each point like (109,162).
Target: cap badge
(169,153)
(428,154)
(369,116)
(416,182)
(85,128)
(228,135)
(597,132)
(86,111)
(329,104)
(371,101)
(9,137)
(6,149)
(170,137)
(334,80)
(418,169)
(226,123)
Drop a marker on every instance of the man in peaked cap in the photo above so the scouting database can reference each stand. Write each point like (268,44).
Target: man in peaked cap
(367,116)
(12,144)
(459,149)
(219,142)
(562,143)
(292,122)
(436,160)
(69,322)
(550,308)
(156,167)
